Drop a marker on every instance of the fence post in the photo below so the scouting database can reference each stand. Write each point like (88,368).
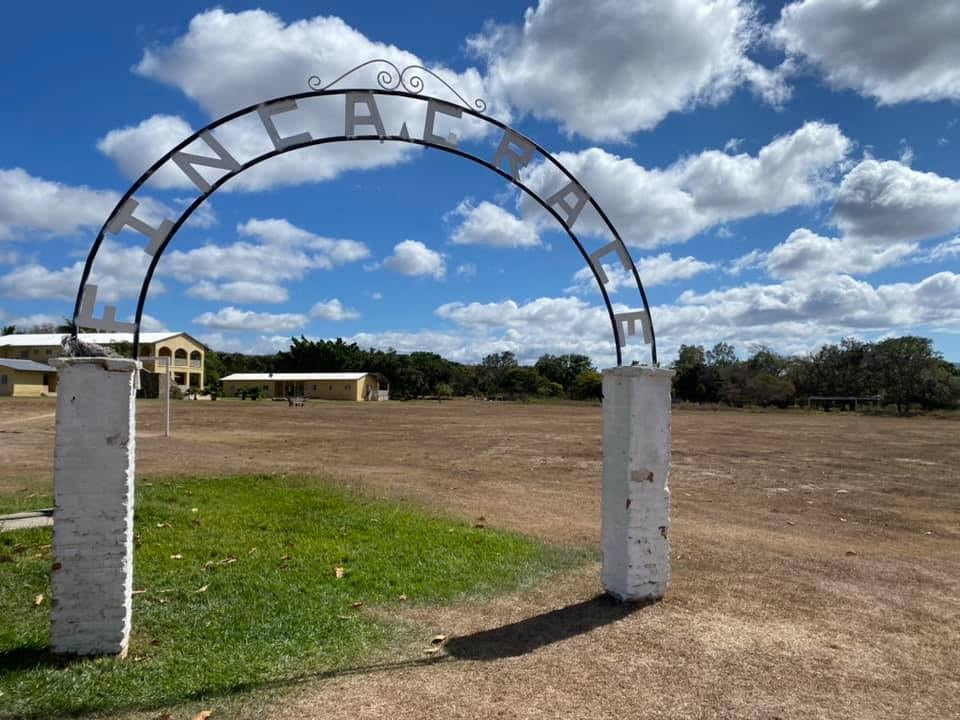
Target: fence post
(93,475)
(636,494)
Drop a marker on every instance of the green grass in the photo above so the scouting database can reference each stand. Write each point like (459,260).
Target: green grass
(254,597)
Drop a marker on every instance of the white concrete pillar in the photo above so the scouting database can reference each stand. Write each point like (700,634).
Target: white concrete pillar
(636,470)
(93,474)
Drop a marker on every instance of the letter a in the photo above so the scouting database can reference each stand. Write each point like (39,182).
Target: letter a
(352,120)
(559,199)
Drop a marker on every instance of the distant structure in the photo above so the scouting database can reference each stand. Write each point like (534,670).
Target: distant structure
(183,354)
(26,378)
(356,386)
(843,401)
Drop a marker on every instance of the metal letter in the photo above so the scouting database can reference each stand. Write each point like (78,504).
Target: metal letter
(507,152)
(433,107)
(559,199)
(352,120)
(629,320)
(615,246)
(266,113)
(125,216)
(108,322)
(224,160)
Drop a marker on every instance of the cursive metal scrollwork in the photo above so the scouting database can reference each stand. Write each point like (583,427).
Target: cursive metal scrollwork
(407,79)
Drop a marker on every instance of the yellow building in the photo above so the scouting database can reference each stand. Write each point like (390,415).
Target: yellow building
(325,386)
(183,354)
(25,378)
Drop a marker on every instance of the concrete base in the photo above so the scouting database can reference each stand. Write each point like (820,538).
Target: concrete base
(636,494)
(92,578)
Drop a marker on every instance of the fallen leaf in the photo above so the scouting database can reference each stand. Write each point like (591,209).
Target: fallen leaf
(357,604)
(481,522)
(253,551)
(39,600)
(338,571)
(194,510)
(402,598)
(138,592)
(178,556)
(851,553)
(438,639)
(228,560)
(203,715)
(165,716)
(431,651)
(164,525)
(155,642)
(43,547)
(790,522)
(285,557)
(843,519)
(203,589)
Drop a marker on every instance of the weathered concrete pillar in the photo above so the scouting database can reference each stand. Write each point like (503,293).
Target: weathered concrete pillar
(93,473)
(636,469)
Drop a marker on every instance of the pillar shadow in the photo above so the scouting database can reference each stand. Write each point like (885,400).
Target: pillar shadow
(527,635)
(26,657)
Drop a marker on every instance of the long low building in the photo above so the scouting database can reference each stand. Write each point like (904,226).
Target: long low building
(26,378)
(357,386)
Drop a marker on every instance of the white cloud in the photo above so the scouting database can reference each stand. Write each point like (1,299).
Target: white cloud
(231,318)
(653,270)
(412,257)
(148,323)
(244,343)
(891,50)
(25,322)
(284,252)
(888,201)
(226,61)
(489,224)
(806,253)
(333,310)
(606,70)
(947,250)
(243,291)
(657,206)
(284,233)
(118,273)
(28,202)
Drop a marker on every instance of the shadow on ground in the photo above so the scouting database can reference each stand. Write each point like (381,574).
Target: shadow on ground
(525,636)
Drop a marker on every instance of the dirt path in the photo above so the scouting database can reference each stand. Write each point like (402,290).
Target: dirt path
(816,557)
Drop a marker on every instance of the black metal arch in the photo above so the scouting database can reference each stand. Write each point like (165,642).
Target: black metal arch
(404,137)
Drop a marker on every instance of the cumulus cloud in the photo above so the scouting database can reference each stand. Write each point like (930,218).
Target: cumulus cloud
(804,252)
(118,273)
(888,201)
(606,70)
(28,202)
(333,310)
(653,270)
(489,224)
(242,291)
(657,206)
(280,250)
(886,49)
(231,318)
(412,257)
(226,61)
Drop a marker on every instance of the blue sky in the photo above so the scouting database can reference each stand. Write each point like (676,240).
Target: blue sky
(784,173)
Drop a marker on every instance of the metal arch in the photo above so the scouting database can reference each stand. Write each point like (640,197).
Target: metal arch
(88,266)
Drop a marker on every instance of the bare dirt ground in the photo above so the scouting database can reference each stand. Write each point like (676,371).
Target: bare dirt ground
(816,556)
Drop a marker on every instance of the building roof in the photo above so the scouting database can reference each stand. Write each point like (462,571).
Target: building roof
(322,377)
(48,339)
(26,365)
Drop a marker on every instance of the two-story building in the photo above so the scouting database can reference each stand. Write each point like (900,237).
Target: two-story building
(178,351)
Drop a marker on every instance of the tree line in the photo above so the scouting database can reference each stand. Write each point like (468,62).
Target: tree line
(903,371)
(423,374)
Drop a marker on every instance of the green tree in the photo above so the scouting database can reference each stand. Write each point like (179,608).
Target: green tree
(588,385)
(492,372)
(690,371)
(909,371)
(563,369)
(9,330)
(721,355)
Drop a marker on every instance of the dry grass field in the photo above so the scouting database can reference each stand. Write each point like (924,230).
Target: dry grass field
(816,556)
